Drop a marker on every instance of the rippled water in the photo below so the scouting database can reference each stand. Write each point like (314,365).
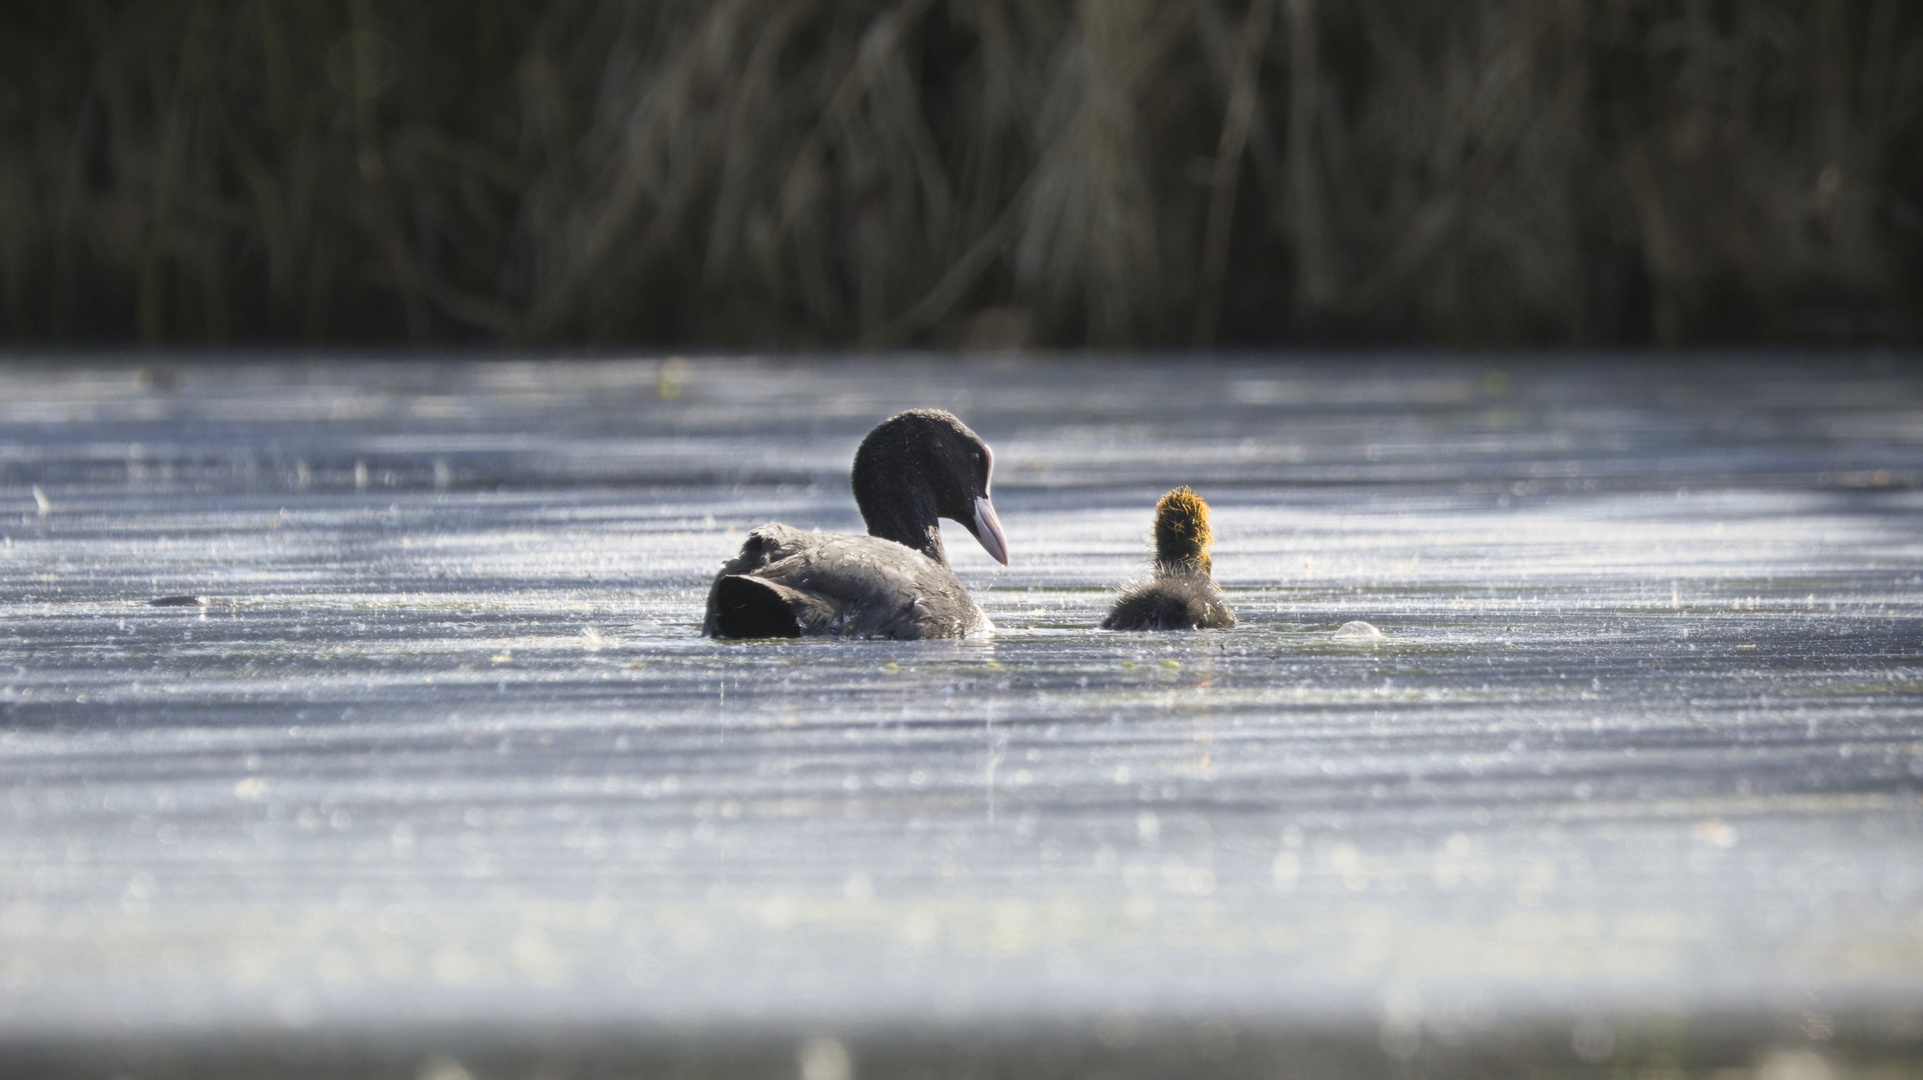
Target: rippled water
(1642,733)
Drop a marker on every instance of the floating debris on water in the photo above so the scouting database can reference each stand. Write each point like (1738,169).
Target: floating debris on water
(178,601)
(670,378)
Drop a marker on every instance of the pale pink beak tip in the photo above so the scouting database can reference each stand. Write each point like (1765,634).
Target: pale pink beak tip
(988,529)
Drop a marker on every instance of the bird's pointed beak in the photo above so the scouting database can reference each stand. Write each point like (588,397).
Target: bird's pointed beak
(988,529)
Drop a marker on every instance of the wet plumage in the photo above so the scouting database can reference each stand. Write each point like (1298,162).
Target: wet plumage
(893,583)
(1181,595)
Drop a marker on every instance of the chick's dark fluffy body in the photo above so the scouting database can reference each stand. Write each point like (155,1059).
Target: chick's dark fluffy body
(1183,600)
(1181,595)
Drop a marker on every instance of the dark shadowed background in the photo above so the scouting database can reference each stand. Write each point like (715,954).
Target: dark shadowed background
(976,173)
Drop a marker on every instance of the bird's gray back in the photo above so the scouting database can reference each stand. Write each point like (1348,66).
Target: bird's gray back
(867,586)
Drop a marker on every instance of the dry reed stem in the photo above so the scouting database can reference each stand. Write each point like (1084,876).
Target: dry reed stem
(1236,119)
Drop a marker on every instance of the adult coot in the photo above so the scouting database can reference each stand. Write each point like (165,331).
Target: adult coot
(893,583)
(1181,595)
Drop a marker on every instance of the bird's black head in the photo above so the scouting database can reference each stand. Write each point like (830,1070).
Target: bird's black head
(922,465)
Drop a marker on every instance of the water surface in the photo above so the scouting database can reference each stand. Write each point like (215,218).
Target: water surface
(1643,730)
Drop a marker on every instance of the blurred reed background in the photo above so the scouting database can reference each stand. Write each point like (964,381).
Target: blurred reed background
(961,172)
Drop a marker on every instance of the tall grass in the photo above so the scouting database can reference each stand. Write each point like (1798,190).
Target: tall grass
(890,172)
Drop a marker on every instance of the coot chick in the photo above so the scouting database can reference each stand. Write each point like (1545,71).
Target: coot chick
(1181,595)
(895,582)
